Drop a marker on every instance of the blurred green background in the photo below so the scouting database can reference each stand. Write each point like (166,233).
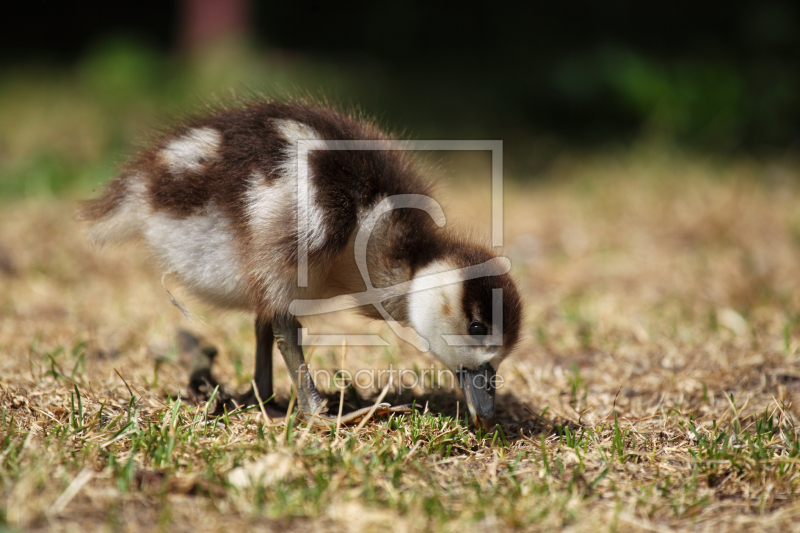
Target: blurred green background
(81,85)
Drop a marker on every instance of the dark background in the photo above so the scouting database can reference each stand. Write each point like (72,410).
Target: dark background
(708,76)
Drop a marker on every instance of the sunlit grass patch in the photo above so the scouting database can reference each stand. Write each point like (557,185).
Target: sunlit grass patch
(655,387)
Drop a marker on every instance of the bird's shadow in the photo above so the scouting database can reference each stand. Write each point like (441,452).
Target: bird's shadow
(517,418)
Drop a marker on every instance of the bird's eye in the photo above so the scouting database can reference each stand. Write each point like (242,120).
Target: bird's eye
(476,329)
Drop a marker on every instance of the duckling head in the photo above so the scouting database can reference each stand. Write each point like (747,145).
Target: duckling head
(470,321)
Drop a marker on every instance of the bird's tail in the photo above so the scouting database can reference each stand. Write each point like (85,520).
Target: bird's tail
(117,215)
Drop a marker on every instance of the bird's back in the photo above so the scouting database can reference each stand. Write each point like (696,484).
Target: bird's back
(215,199)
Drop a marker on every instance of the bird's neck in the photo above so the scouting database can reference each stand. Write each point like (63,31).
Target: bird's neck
(397,250)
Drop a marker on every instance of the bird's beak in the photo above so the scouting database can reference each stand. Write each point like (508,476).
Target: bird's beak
(478,386)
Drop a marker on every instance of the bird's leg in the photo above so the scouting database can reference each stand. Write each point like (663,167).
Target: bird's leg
(263,377)
(309,402)
(310,405)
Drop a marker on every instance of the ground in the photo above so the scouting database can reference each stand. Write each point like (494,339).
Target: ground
(655,387)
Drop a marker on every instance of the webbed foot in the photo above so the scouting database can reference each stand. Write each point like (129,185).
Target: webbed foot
(201,382)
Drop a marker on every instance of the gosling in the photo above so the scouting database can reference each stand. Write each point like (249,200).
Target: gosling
(257,208)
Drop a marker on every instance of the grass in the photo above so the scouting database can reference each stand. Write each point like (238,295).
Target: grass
(655,388)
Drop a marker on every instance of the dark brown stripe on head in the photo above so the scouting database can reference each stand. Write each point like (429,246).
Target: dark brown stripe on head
(477,299)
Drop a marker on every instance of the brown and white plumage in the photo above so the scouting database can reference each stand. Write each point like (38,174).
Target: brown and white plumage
(215,199)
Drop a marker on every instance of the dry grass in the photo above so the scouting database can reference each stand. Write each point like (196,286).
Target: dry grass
(655,389)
